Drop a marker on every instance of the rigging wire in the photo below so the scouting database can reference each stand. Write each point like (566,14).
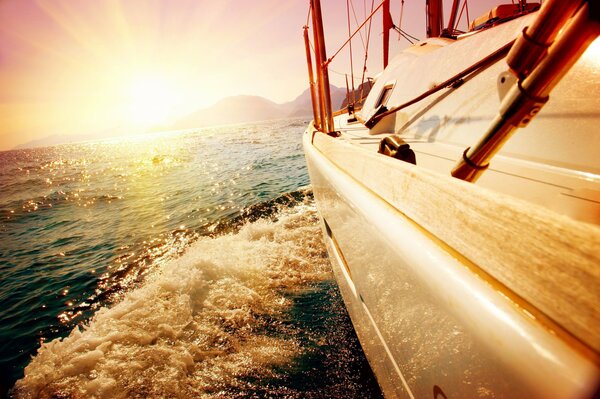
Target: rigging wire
(362,81)
(356,21)
(351,57)
(464,7)
(402,33)
(369,20)
(466,74)
(400,20)
(405,35)
(314,52)
(356,79)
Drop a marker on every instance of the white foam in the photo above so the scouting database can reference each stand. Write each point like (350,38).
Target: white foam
(194,328)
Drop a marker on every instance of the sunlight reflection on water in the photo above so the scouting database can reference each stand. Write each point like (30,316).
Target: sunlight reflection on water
(82,225)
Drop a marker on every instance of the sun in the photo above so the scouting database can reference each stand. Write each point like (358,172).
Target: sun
(153,100)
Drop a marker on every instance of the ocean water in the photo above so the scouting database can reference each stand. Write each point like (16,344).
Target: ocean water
(180,265)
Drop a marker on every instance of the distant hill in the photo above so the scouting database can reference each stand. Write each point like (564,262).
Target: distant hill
(233,110)
(56,139)
(301,105)
(239,109)
(59,139)
(229,110)
(362,90)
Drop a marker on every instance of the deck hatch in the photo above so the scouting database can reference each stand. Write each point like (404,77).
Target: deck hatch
(385,95)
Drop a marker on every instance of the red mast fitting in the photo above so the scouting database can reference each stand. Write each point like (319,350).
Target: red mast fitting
(435,18)
(356,31)
(387,25)
(322,72)
(451,23)
(311,81)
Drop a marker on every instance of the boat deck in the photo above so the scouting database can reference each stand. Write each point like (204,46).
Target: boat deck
(499,271)
(566,191)
(516,249)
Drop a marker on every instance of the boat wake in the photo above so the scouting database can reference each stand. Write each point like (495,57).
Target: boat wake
(213,322)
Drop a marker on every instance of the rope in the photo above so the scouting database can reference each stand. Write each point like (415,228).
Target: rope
(400,21)
(355,32)
(362,81)
(351,57)
(405,35)
(343,74)
(402,33)
(475,68)
(462,9)
(356,20)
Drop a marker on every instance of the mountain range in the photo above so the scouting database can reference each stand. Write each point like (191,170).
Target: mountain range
(229,110)
(238,109)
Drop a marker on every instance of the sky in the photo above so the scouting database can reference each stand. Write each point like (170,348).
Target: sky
(106,67)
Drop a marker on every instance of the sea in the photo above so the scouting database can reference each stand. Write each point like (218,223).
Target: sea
(171,265)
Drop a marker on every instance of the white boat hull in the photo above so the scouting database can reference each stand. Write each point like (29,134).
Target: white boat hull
(431,321)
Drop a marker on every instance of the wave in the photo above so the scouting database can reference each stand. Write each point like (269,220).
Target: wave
(262,210)
(208,321)
(130,268)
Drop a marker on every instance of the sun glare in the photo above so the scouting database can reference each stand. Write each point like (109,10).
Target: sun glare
(152,100)
(119,67)
(593,53)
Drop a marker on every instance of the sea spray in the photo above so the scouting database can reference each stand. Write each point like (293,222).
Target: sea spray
(199,326)
(101,224)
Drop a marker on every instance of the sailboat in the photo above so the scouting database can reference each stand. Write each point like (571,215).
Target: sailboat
(460,203)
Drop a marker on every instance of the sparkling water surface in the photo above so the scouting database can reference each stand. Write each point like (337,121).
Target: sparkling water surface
(182,264)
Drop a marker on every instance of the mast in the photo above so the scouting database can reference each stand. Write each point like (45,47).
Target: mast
(387,25)
(435,18)
(322,71)
(450,29)
(311,80)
